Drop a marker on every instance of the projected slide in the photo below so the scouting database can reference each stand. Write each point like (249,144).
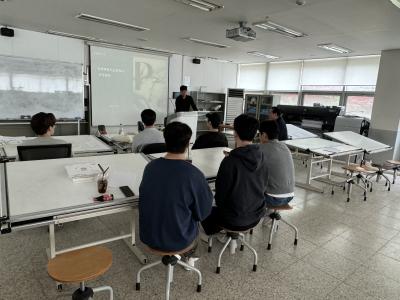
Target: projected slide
(123,83)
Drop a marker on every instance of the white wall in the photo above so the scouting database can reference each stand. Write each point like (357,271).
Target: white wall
(386,109)
(42,46)
(209,75)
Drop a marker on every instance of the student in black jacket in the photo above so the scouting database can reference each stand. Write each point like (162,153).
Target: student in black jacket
(276,115)
(213,138)
(173,196)
(240,183)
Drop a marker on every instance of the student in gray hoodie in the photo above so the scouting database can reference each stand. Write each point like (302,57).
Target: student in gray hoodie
(279,178)
(240,183)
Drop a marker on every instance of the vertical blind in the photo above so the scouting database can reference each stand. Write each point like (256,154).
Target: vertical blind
(287,76)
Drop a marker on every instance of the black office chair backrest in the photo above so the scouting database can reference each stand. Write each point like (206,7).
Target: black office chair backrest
(38,152)
(153,148)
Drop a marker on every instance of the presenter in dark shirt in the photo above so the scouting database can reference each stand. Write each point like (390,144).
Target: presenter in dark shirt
(213,138)
(276,115)
(184,101)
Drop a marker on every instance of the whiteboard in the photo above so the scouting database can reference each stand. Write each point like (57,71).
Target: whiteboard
(28,86)
(123,83)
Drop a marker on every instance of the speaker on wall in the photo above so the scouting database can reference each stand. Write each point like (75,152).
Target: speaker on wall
(4,31)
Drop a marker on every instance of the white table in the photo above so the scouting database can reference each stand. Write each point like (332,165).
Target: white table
(40,193)
(206,160)
(82,145)
(357,140)
(295,133)
(320,151)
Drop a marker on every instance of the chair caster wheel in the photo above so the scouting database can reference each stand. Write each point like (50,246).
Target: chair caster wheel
(295,242)
(370,190)
(209,249)
(348,199)
(251,231)
(388,189)
(241,247)
(332,192)
(218,270)
(344,188)
(365,198)
(254,268)
(138,286)
(59,287)
(386,184)
(199,288)
(269,247)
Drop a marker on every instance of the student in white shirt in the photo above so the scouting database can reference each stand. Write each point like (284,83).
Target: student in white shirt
(43,124)
(150,134)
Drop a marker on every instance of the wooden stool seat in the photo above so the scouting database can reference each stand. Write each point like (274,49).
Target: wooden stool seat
(80,265)
(282,207)
(170,253)
(357,168)
(393,162)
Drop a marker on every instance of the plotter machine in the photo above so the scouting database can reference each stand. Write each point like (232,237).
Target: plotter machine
(315,119)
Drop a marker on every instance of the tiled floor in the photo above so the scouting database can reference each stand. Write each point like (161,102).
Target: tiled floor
(345,251)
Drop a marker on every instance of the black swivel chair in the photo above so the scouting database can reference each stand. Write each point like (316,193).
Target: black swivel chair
(38,152)
(153,148)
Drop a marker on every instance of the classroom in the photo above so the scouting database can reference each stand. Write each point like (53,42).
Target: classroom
(199,149)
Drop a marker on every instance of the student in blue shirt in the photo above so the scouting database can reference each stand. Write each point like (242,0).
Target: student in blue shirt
(174,196)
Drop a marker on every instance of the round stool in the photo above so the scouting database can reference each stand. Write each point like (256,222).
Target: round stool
(170,260)
(275,217)
(233,236)
(80,266)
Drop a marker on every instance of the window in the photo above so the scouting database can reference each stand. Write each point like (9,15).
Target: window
(321,99)
(359,105)
(287,98)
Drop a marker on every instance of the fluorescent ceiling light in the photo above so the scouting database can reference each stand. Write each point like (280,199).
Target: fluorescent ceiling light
(201,4)
(283,30)
(111,22)
(71,35)
(334,48)
(207,43)
(220,60)
(256,53)
(396,2)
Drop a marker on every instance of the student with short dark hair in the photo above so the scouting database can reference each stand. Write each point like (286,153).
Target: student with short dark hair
(240,184)
(213,138)
(173,196)
(279,166)
(43,124)
(183,102)
(150,134)
(276,115)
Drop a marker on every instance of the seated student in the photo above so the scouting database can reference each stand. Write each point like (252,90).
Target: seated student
(150,134)
(213,138)
(173,196)
(276,115)
(279,166)
(43,124)
(240,183)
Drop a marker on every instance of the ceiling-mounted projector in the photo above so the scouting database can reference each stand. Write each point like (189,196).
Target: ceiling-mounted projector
(241,34)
